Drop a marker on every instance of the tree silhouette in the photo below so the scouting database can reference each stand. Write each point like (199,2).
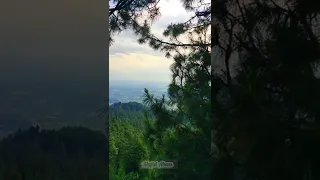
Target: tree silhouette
(265,94)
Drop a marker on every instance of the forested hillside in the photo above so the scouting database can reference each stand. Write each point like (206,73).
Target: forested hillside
(131,112)
(71,153)
(127,146)
(77,152)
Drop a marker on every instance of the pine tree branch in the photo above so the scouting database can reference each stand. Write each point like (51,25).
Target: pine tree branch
(120,5)
(153,37)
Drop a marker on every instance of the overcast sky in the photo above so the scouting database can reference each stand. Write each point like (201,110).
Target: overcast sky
(53,40)
(129,60)
(67,40)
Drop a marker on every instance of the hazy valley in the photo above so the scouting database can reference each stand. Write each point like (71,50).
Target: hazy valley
(54,106)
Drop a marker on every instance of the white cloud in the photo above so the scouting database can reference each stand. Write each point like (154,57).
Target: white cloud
(139,67)
(171,12)
(129,59)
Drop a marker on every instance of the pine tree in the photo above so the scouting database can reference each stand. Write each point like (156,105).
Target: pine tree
(182,126)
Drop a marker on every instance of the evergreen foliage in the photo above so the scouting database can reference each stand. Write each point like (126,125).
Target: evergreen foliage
(181,126)
(69,153)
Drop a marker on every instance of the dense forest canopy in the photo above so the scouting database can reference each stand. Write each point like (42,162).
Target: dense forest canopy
(131,112)
(69,153)
(75,152)
(130,106)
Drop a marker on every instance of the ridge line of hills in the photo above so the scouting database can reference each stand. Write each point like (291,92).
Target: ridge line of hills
(10,123)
